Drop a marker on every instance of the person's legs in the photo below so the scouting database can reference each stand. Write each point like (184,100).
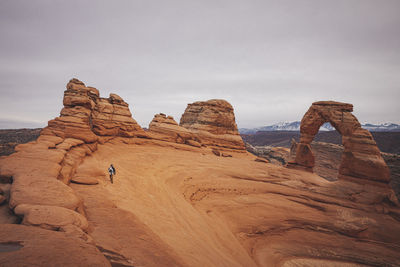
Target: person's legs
(111,178)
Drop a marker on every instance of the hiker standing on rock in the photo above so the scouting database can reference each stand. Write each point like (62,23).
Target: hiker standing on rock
(111,171)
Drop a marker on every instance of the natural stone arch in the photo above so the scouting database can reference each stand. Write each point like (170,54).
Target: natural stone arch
(361,157)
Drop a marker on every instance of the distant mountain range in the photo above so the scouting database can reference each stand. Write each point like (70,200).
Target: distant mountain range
(295,126)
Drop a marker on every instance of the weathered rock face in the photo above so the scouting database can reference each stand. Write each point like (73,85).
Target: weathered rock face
(165,128)
(75,117)
(85,118)
(328,157)
(213,121)
(86,115)
(111,117)
(361,157)
(275,155)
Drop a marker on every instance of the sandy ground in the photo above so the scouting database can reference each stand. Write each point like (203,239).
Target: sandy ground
(174,205)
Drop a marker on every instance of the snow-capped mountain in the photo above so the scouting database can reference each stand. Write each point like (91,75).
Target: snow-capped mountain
(295,126)
(385,127)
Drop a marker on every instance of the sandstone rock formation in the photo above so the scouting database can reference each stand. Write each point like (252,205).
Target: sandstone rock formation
(31,246)
(361,157)
(165,128)
(86,115)
(328,158)
(41,170)
(111,117)
(213,121)
(176,205)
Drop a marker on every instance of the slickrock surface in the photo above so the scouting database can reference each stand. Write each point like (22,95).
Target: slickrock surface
(361,157)
(217,211)
(31,246)
(214,123)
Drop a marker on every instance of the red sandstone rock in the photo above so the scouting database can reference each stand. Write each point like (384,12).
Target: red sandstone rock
(165,128)
(32,246)
(216,152)
(3,199)
(50,217)
(86,115)
(111,117)
(42,169)
(255,214)
(213,121)
(84,180)
(304,155)
(361,157)
(75,118)
(259,159)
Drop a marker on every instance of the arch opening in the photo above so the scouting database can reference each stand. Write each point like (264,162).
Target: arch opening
(327,149)
(361,158)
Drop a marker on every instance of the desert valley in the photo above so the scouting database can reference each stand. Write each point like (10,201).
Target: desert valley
(190,194)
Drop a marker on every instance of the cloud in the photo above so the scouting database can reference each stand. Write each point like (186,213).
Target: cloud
(270,59)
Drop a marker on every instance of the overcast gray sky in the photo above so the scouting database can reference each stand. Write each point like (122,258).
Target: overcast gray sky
(269,59)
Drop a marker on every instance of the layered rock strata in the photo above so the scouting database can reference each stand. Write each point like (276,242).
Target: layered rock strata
(361,158)
(165,128)
(86,115)
(213,122)
(111,117)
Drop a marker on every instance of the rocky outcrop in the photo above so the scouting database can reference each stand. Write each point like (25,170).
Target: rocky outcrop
(75,117)
(254,213)
(40,171)
(86,115)
(111,117)
(31,246)
(274,155)
(361,157)
(328,159)
(165,128)
(50,217)
(213,121)
(51,160)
